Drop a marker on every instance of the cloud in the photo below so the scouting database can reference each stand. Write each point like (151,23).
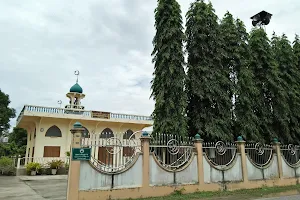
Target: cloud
(109,42)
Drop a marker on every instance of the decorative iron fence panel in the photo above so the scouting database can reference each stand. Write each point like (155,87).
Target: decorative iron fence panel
(259,154)
(291,154)
(112,153)
(220,154)
(173,152)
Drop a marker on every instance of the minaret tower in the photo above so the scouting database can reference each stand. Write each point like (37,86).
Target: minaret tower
(75,95)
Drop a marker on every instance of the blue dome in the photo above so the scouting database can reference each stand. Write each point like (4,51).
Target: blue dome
(76,88)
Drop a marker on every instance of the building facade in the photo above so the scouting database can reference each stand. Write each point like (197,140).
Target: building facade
(49,128)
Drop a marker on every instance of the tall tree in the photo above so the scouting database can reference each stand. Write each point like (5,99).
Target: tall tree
(286,106)
(295,119)
(6,113)
(18,136)
(296,50)
(169,76)
(209,99)
(228,33)
(17,143)
(236,58)
(266,80)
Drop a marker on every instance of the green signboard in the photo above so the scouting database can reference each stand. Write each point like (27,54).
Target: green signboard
(81,154)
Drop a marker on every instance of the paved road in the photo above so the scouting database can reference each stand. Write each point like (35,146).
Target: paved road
(51,188)
(295,197)
(41,188)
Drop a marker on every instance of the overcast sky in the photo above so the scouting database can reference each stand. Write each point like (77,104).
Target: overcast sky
(42,43)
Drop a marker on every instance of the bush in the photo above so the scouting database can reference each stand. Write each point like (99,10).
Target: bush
(7,166)
(44,171)
(67,166)
(56,164)
(33,167)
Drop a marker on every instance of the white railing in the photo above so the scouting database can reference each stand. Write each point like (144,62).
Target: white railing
(51,110)
(22,162)
(127,116)
(64,111)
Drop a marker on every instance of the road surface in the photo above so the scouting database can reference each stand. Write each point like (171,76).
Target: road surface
(50,188)
(295,197)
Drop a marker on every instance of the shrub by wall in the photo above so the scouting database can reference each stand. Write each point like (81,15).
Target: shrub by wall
(7,166)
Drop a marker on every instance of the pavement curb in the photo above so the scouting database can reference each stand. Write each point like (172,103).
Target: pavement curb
(39,178)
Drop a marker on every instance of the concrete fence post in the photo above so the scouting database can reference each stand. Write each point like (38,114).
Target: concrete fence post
(198,142)
(145,142)
(74,166)
(276,147)
(241,149)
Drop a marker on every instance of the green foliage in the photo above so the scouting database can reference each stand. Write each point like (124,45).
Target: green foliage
(68,153)
(17,143)
(235,61)
(5,149)
(208,85)
(246,119)
(48,171)
(231,58)
(33,166)
(18,136)
(287,105)
(6,113)
(169,76)
(266,81)
(178,192)
(56,164)
(294,108)
(296,50)
(7,166)
(45,171)
(67,165)
(256,193)
(11,149)
(236,84)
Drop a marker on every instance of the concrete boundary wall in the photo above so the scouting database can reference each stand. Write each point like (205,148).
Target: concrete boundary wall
(148,176)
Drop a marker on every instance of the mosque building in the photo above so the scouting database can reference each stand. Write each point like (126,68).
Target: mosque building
(49,128)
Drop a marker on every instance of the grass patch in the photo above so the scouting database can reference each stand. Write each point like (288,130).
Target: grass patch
(232,195)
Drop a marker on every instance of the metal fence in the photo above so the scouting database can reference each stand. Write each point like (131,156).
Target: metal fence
(291,154)
(220,154)
(259,154)
(173,152)
(112,153)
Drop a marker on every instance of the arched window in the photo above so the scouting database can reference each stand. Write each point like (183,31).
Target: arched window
(127,134)
(128,151)
(53,131)
(104,154)
(107,133)
(86,133)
